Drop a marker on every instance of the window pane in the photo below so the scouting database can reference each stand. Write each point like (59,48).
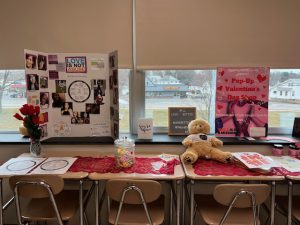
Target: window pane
(169,88)
(124,99)
(12,96)
(284,97)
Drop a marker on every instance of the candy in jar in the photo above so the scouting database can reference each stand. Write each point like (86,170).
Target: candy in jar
(124,154)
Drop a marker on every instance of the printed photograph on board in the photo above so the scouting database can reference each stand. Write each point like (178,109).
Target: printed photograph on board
(61,86)
(67,109)
(43,82)
(32,82)
(44,100)
(42,62)
(30,61)
(58,99)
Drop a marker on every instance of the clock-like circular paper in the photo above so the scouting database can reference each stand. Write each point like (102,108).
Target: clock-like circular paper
(79,91)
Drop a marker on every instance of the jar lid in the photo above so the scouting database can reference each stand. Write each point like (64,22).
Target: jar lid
(278,146)
(294,147)
(125,142)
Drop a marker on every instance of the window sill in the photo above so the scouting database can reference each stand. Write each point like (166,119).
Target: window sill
(158,139)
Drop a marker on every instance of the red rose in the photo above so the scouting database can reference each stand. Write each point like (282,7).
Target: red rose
(37,110)
(35,120)
(24,111)
(18,116)
(31,110)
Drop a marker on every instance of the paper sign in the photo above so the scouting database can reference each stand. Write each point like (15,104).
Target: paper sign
(76,64)
(145,128)
(288,163)
(54,165)
(20,166)
(241,101)
(254,160)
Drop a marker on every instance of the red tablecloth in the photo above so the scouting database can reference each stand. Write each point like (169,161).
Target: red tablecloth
(205,167)
(108,165)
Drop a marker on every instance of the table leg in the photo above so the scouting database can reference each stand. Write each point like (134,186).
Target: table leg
(192,201)
(97,202)
(1,203)
(273,192)
(171,203)
(290,201)
(178,201)
(81,201)
(182,202)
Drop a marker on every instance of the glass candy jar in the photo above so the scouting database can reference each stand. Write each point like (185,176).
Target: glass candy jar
(293,151)
(277,150)
(124,153)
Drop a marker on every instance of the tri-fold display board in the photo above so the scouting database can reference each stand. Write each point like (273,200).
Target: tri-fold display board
(77,93)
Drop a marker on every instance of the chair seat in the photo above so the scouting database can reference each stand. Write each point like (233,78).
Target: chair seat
(42,209)
(135,214)
(212,212)
(282,201)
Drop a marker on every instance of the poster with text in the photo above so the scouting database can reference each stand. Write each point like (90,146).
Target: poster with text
(242,102)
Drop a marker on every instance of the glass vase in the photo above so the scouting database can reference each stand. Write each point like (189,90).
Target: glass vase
(35,148)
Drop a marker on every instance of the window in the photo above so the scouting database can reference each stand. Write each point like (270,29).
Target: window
(13,96)
(124,100)
(167,88)
(283,109)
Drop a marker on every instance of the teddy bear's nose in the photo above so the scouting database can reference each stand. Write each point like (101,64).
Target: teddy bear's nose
(188,160)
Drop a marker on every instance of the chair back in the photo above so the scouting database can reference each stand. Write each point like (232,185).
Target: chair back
(150,189)
(225,194)
(31,186)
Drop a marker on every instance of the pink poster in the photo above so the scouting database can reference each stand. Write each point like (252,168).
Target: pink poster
(242,102)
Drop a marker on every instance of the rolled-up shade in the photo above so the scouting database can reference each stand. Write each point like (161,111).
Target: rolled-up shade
(93,26)
(209,33)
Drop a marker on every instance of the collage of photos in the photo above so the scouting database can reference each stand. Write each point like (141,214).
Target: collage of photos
(72,96)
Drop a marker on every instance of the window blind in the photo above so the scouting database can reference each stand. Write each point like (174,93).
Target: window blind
(93,26)
(189,34)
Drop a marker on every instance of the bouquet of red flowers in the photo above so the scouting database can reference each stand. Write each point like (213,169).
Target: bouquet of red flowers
(30,120)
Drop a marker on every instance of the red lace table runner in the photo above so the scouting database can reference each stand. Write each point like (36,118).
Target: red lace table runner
(108,165)
(210,167)
(285,172)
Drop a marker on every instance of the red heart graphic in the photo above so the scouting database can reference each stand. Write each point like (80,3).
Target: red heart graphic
(220,88)
(226,80)
(222,73)
(257,89)
(261,78)
(220,107)
(264,86)
(263,95)
(259,108)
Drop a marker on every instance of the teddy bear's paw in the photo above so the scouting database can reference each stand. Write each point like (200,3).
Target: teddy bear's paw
(188,158)
(187,142)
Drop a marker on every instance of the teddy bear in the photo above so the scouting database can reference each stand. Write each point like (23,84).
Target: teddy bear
(199,145)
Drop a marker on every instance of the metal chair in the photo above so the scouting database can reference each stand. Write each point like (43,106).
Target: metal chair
(46,199)
(233,204)
(135,202)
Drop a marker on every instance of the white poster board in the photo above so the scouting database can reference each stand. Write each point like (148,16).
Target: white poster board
(77,93)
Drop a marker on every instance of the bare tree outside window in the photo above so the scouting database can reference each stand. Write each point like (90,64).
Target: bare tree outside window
(12,96)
